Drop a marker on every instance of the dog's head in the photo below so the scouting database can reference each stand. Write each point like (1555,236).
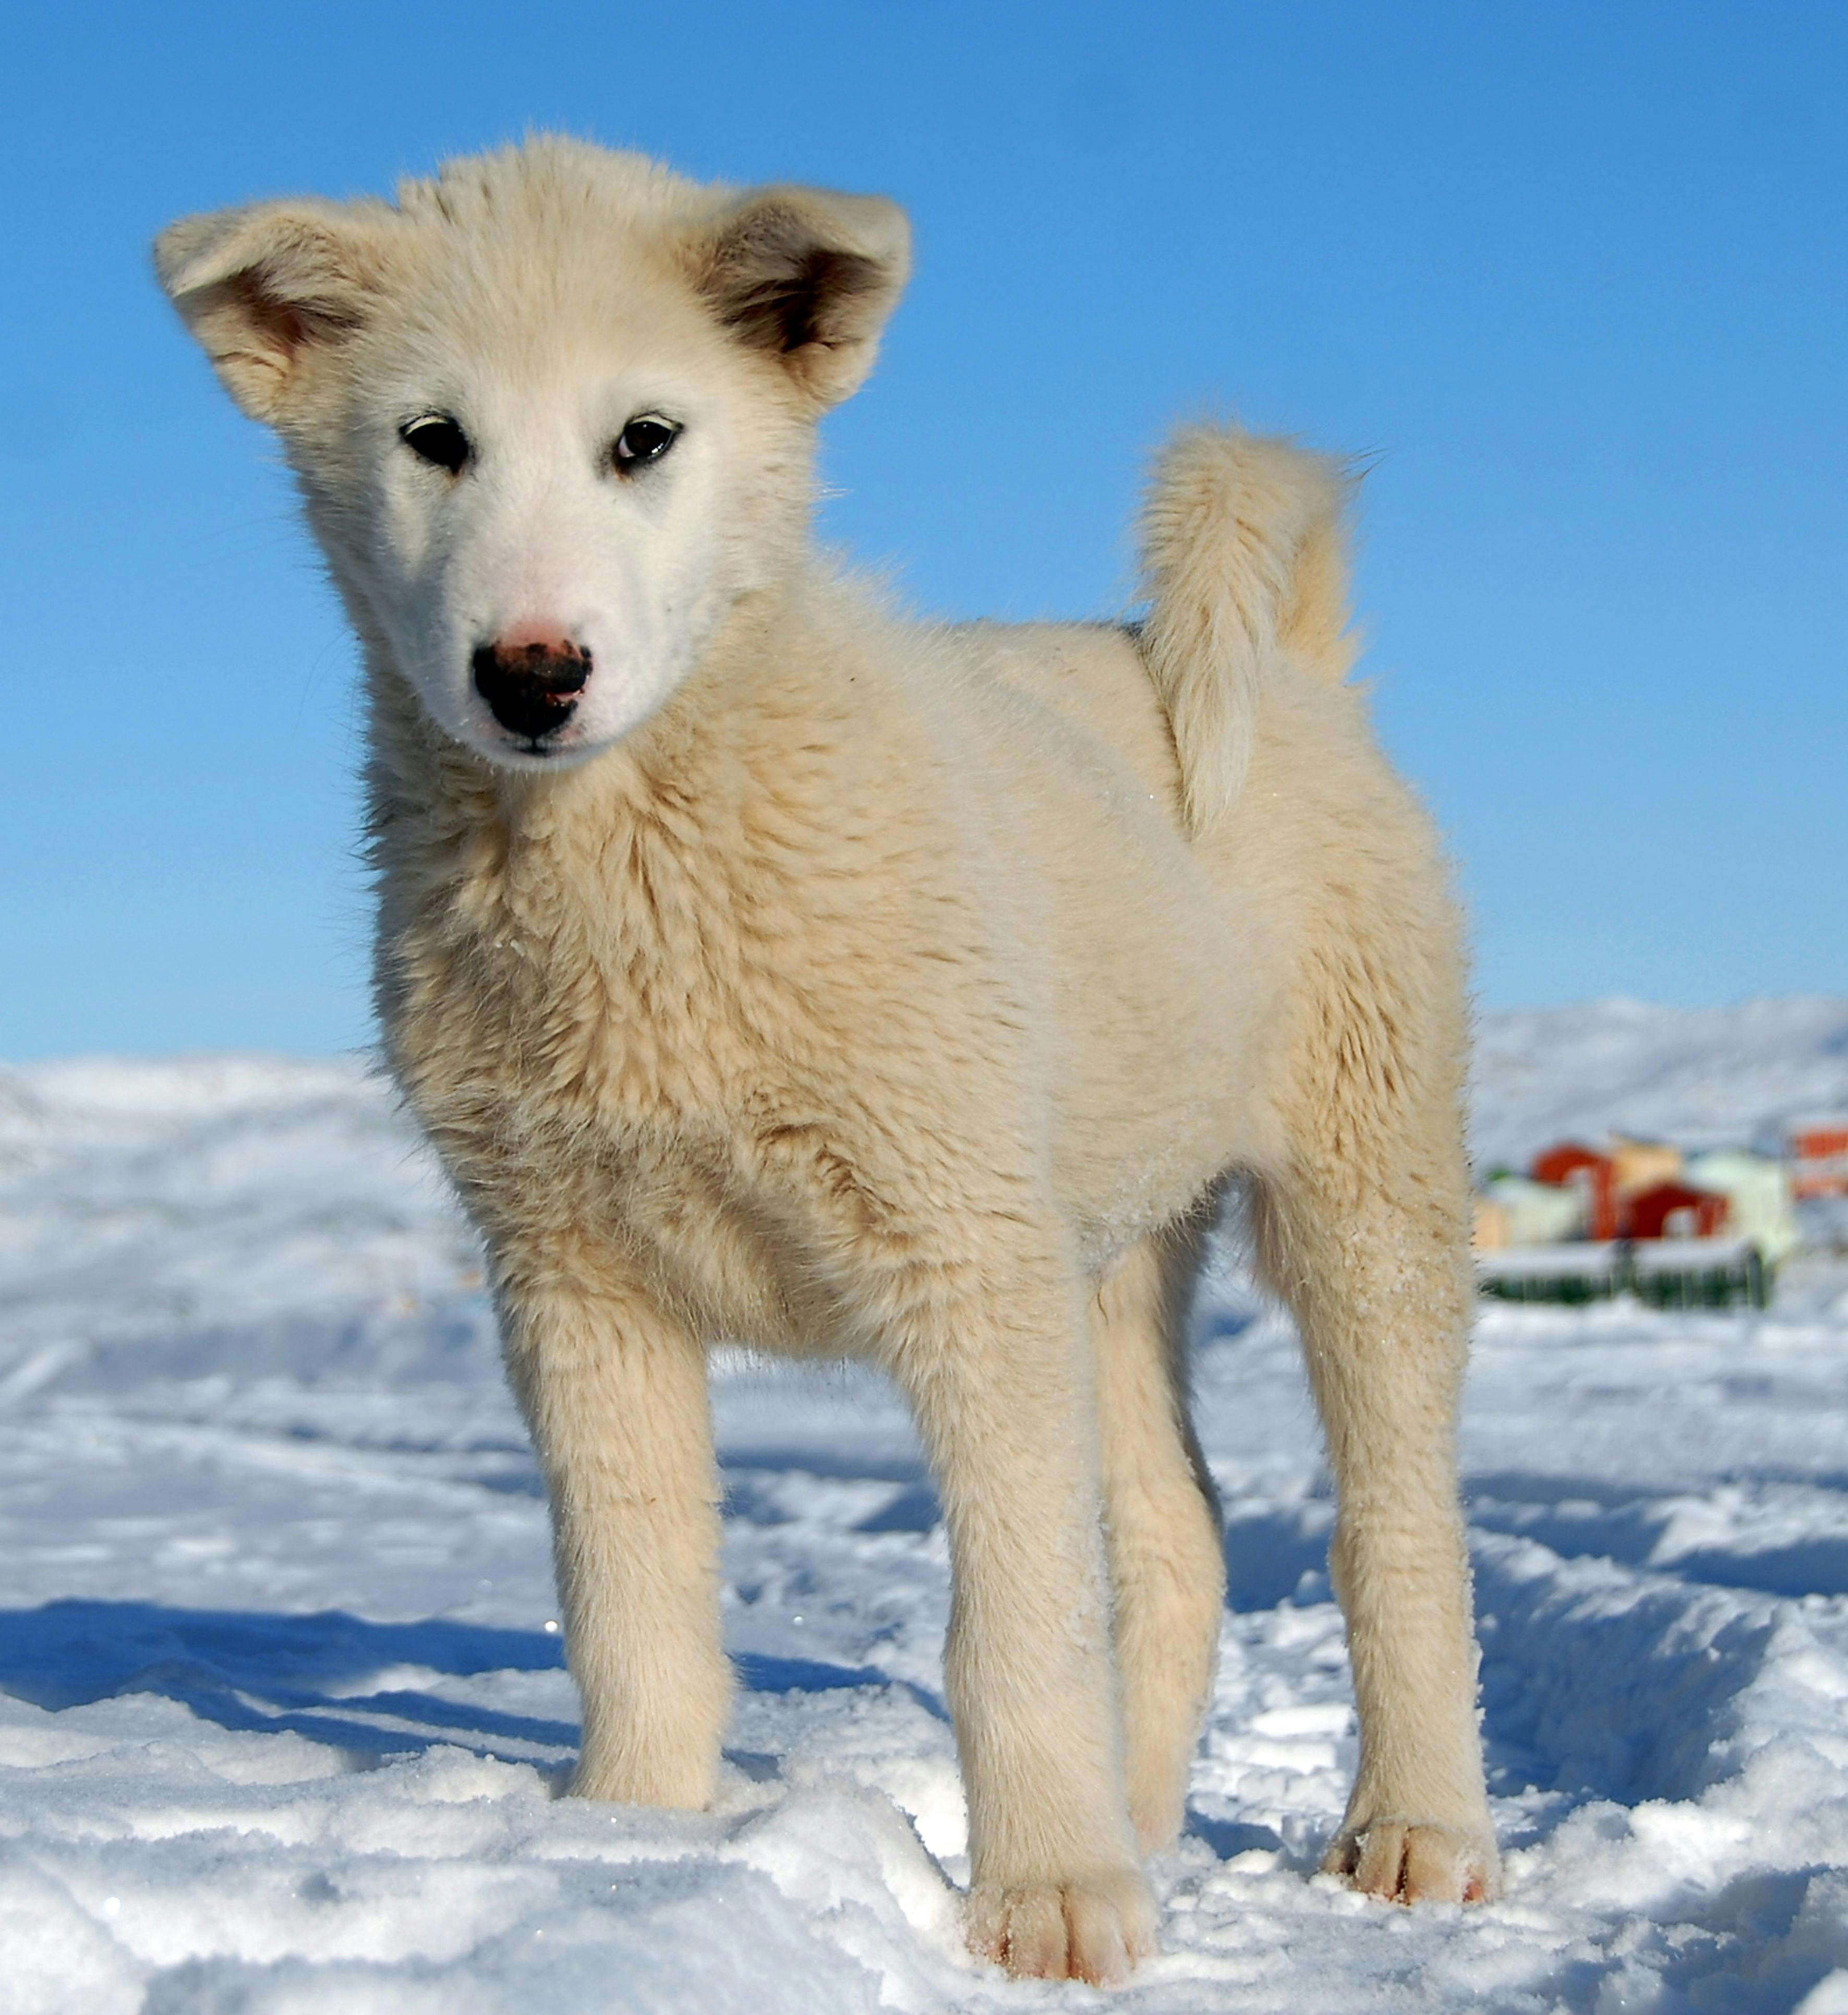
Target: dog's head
(552,412)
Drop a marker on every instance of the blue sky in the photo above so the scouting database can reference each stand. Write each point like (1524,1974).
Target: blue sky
(1573,277)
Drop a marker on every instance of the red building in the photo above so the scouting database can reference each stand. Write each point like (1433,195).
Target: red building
(1572,1166)
(1672,1210)
(1818,1156)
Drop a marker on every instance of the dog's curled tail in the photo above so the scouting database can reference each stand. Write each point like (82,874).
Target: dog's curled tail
(1243,561)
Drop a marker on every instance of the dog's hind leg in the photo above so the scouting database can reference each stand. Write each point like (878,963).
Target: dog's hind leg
(1363,1230)
(1161,1522)
(615,1393)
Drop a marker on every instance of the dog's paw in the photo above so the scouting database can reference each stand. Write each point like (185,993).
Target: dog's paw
(1094,1929)
(1416,1860)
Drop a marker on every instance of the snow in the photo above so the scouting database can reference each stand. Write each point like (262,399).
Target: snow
(282,1708)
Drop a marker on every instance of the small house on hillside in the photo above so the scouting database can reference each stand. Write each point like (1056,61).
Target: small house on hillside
(1758,1193)
(1636,1166)
(1818,1153)
(1673,1210)
(1572,1166)
(1515,1210)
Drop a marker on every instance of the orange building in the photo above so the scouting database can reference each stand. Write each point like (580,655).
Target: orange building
(1638,1165)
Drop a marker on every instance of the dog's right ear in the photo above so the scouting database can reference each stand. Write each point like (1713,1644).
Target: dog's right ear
(262,288)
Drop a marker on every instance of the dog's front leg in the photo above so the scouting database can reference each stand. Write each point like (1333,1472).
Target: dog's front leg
(615,1393)
(1002,1387)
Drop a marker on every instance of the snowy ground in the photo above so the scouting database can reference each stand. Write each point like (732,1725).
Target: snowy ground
(282,1704)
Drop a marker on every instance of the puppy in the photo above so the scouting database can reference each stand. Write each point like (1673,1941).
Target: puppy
(766,966)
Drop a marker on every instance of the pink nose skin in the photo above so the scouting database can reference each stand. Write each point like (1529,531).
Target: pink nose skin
(532,637)
(530,679)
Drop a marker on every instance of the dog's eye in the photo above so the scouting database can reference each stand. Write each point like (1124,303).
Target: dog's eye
(438,438)
(644,440)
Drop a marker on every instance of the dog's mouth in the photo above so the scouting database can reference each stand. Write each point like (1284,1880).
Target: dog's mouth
(561,747)
(558,750)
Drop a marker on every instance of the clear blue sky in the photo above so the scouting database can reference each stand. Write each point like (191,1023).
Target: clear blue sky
(1573,275)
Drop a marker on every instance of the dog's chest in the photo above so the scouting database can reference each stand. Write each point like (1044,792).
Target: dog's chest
(626,1050)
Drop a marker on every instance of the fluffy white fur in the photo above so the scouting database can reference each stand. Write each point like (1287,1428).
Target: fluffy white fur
(848,985)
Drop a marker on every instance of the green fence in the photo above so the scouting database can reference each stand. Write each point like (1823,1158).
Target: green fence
(1674,1273)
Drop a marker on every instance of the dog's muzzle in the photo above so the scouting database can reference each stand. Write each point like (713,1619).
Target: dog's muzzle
(531,684)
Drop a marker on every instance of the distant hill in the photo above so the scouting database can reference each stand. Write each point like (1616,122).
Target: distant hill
(1702,1077)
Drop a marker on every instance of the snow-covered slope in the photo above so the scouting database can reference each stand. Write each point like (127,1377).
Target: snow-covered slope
(281,1699)
(1703,1077)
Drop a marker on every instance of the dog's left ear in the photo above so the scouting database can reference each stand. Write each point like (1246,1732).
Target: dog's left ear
(809,276)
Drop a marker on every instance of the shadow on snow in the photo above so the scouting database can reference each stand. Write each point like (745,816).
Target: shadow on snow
(317,1676)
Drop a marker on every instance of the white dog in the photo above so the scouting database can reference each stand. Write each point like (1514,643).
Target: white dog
(766,966)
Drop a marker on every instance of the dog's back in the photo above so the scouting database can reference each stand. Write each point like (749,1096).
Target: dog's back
(1123,751)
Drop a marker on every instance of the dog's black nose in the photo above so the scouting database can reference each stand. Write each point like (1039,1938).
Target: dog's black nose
(531,683)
